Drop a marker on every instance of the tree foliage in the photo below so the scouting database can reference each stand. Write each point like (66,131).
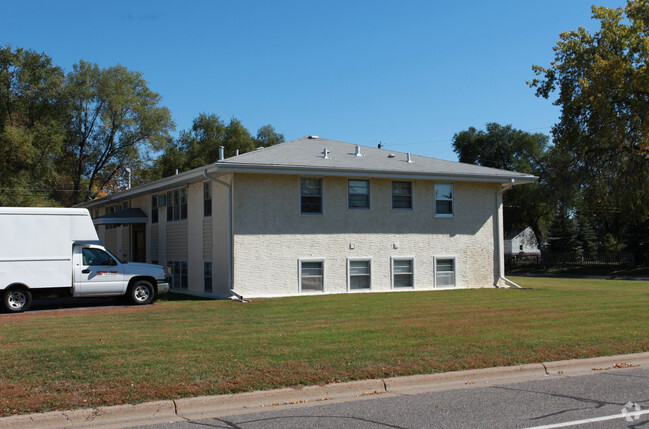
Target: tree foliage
(507,148)
(601,81)
(200,144)
(31,134)
(113,120)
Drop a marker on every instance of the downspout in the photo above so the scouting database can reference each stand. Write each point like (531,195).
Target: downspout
(233,294)
(501,247)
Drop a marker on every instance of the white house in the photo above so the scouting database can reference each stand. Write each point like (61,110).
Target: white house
(314,216)
(521,241)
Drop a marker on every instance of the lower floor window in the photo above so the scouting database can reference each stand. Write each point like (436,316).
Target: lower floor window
(359,274)
(178,271)
(311,276)
(444,272)
(207,276)
(402,273)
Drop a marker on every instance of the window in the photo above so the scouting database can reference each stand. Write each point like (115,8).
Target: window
(178,271)
(92,256)
(207,199)
(310,196)
(444,272)
(444,199)
(402,273)
(154,208)
(177,204)
(358,194)
(359,274)
(402,195)
(207,276)
(311,276)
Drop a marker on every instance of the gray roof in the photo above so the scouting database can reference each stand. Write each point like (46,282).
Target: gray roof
(306,154)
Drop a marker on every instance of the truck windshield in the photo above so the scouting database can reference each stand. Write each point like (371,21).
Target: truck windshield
(96,257)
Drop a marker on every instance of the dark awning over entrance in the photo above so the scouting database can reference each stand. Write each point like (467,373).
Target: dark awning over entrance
(122,217)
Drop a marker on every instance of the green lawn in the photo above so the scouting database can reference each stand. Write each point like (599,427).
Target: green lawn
(176,348)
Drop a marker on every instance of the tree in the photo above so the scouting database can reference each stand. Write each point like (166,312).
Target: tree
(200,144)
(31,127)
(113,120)
(602,85)
(507,148)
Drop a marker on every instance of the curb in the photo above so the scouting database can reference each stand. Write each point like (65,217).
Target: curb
(121,416)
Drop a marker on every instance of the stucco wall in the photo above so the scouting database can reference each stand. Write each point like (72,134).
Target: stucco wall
(270,235)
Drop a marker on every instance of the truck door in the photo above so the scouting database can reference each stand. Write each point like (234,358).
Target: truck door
(97,273)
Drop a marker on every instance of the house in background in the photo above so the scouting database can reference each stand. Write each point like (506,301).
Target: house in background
(314,216)
(521,241)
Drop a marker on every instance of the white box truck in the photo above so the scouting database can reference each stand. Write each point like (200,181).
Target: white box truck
(53,252)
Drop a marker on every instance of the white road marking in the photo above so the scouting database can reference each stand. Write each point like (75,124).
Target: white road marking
(593,420)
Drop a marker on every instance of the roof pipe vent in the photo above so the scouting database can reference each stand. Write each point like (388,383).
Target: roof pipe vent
(312,137)
(325,154)
(358,151)
(409,159)
(237,152)
(221,153)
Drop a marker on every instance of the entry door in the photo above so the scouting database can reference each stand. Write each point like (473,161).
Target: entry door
(138,243)
(97,273)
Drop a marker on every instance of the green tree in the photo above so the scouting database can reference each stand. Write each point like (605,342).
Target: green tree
(601,81)
(507,148)
(114,119)
(31,127)
(200,144)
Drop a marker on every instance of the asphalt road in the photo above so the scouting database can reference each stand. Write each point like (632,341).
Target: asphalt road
(608,397)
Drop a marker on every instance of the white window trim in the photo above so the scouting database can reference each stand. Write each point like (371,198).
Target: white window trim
(299,275)
(349,289)
(369,195)
(299,195)
(402,258)
(412,196)
(452,200)
(455,286)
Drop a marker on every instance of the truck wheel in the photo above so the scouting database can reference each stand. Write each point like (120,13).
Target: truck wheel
(141,292)
(16,300)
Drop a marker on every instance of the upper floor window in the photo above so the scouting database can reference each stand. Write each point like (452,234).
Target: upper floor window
(154,208)
(402,195)
(177,204)
(444,199)
(358,194)
(310,196)
(207,199)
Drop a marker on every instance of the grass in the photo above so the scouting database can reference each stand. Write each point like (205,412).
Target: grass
(177,348)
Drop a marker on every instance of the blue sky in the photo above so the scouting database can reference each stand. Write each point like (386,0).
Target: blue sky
(407,73)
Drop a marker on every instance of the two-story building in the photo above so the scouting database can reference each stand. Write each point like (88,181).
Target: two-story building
(314,216)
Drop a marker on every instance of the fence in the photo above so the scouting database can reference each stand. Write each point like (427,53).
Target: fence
(552,259)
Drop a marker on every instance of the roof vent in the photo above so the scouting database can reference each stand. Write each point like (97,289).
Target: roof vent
(221,152)
(358,151)
(312,137)
(325,154)
(409,159)
(391,155)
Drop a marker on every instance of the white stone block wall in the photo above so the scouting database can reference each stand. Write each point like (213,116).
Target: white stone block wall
(270,236)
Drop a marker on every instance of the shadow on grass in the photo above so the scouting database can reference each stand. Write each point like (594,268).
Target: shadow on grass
(611,272)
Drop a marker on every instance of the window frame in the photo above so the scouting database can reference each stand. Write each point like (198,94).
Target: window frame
(179,271)
(349,274)
(299,274)
(177,204)
(208,274)
(410,259)
(321,196)
(452,199)
(207,199)
(411,195)
(155,212)
(349,194)
(436,271)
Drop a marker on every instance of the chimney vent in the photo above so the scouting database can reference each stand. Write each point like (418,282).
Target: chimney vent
(221,153)
(409,159)
(325,154)
(358,151)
